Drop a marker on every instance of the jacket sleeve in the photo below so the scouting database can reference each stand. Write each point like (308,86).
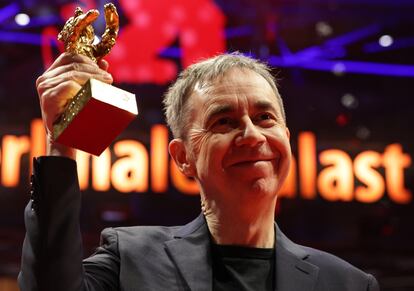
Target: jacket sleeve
(52,249)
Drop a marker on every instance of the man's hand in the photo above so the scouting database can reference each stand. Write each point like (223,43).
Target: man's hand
(59,84)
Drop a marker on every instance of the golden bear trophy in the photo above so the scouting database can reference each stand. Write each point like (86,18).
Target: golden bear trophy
(98,113)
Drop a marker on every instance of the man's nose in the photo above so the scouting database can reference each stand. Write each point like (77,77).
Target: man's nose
(250,135)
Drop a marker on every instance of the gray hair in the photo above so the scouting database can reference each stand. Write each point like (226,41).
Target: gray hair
(176,97)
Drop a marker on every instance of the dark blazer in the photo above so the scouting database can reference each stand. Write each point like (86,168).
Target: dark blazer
(146,257)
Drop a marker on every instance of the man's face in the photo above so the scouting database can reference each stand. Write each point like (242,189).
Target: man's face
(238,144)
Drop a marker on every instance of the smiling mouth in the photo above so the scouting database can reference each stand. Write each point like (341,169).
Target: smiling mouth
(251,162)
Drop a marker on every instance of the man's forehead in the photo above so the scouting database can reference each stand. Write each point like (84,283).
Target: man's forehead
(219,108)
(231,105)
(230,87)
(232,81)
(223,94)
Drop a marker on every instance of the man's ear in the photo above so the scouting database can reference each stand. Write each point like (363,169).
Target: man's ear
(179,154)
(288,133)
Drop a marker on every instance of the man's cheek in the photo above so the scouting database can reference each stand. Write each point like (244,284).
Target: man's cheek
(280,141)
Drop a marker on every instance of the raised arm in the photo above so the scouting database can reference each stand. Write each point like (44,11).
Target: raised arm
(52,250)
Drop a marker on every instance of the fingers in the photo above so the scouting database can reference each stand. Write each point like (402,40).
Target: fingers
(76,71)
(67,58)
(46,82)
(103,64)
(63,80)
(73,68)
(54,92)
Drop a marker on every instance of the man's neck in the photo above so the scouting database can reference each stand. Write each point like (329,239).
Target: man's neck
(242,227)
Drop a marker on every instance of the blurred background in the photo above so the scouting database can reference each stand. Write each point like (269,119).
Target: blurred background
(345,71)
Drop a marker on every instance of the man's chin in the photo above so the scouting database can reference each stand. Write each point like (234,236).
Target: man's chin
(255,187)
(264,186)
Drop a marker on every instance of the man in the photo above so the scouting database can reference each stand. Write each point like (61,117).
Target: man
(230,135)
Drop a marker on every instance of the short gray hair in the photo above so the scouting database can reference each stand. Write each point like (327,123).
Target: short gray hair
(176,97)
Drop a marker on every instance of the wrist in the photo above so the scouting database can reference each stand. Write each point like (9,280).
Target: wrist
(59,150)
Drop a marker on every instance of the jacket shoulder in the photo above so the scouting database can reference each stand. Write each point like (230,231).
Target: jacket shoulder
(144,239)
(327,260)
(146,233)
(334,271)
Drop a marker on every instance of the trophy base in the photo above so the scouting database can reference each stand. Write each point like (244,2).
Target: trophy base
(97,114)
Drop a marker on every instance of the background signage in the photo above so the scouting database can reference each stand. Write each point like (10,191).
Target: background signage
(345,70)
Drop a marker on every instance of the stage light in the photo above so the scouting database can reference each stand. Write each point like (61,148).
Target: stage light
(342,119)
(323,29)
(385,41)
(339,69)
(22,19)
(363,133)
(349,101)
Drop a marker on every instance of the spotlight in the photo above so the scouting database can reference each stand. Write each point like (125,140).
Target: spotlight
(323,29)
(349,101)
(363,132)
(385,41)
(339,69)
(342,119)
(22,19)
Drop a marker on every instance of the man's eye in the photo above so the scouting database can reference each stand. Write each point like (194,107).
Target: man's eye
(224,124)
(265,116)
(223,121)
(265,119)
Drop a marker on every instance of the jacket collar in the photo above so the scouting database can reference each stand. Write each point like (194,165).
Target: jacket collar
(293,271)
(190,251)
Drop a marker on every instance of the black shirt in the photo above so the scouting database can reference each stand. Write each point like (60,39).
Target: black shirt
(242,268)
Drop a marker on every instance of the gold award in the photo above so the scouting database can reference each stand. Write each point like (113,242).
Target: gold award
(96,115)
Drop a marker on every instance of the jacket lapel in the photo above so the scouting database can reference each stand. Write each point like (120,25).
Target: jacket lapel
(293,272)
(190,251)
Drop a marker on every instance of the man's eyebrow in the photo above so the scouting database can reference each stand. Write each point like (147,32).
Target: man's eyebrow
(265,105)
